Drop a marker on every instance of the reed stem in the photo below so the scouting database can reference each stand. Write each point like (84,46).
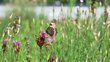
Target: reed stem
(40,54)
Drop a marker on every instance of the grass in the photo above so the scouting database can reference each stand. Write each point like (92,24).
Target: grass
(85,41)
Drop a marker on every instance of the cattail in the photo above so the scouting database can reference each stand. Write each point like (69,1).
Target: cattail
(4,45)
(16,47)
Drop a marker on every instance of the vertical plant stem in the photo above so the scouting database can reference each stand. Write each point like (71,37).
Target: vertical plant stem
(40,54)
(15,58)
(78,33)
(53,12)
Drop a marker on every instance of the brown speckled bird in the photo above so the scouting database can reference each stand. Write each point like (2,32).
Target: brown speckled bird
(52,30)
